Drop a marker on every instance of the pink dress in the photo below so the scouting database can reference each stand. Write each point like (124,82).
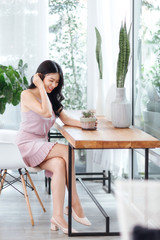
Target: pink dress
(32,138)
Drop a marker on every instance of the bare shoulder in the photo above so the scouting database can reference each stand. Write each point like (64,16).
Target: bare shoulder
(27,94)
(27,100)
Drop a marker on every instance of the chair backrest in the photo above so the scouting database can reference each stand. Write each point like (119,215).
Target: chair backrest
(10,157)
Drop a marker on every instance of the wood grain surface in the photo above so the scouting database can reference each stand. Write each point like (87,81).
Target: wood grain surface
(106,136)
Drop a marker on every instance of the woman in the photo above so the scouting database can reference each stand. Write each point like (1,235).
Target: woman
(40,105)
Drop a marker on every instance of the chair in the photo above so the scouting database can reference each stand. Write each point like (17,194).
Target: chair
(10,159)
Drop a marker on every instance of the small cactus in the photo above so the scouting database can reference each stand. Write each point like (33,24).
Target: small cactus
(123,58)
(88,114)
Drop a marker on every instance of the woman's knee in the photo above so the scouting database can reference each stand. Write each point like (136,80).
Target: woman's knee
(59,164)
(59,150)
(65,152)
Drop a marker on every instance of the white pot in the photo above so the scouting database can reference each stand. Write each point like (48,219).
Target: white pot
(121,110)
(88,123)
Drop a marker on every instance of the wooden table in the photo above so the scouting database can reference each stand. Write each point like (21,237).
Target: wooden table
(105,137)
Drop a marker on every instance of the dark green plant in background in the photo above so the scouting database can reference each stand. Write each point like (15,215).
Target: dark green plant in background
(12,83)
(99,53)
(123,57)
(68,48)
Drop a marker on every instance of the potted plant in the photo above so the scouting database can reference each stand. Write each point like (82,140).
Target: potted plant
(12,83)
(88,120)
(121,108)
(100,98)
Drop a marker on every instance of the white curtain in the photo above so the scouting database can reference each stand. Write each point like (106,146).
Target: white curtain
(23,35)
(107,17)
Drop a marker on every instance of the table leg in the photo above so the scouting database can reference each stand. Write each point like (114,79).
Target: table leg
(106,232)
(146,163)
(132,164)
(69,190)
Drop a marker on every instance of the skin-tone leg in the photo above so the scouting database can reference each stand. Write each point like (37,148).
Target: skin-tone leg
(57,165)
(61,150)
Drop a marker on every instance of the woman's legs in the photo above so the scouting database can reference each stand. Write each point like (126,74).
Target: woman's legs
(61,150)
(58,167)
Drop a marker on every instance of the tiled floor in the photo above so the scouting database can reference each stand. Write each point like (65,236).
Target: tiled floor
(15,222)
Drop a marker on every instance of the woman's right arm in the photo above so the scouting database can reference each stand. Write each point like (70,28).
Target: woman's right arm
(30,102)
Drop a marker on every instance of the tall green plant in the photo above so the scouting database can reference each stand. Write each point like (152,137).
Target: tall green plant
(99,53)
(123,57)
(12,83)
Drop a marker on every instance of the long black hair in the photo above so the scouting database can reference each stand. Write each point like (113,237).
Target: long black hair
(55,96)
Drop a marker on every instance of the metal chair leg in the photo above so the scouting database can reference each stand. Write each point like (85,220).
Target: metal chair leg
(49,185)
(46,181)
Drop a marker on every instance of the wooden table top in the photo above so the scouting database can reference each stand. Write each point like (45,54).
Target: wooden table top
(106,136)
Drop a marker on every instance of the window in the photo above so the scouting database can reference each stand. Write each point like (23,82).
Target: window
(147,77)
(67,46)
(147,67)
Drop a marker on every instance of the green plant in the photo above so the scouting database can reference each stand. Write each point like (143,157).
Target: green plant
(99,53)
(123,57)
(87,114)
(12,83)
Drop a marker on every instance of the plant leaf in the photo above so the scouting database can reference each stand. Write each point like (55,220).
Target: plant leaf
(99,53)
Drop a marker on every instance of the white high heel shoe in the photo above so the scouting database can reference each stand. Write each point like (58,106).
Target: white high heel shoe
(55,226)
(83,220)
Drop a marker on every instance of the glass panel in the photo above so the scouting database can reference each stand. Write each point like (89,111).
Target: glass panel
(147,78)
(147,66)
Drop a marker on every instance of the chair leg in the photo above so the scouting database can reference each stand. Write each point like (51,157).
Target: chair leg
(49,185)
(34,188)
(1,179)
(26,197)
(46,181)
(3,176)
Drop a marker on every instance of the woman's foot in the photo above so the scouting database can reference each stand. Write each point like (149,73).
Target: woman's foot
(81,219)
(59,222)
(76,205)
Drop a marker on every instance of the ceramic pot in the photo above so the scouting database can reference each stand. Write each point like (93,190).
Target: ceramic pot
(88,123)
(121,110)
